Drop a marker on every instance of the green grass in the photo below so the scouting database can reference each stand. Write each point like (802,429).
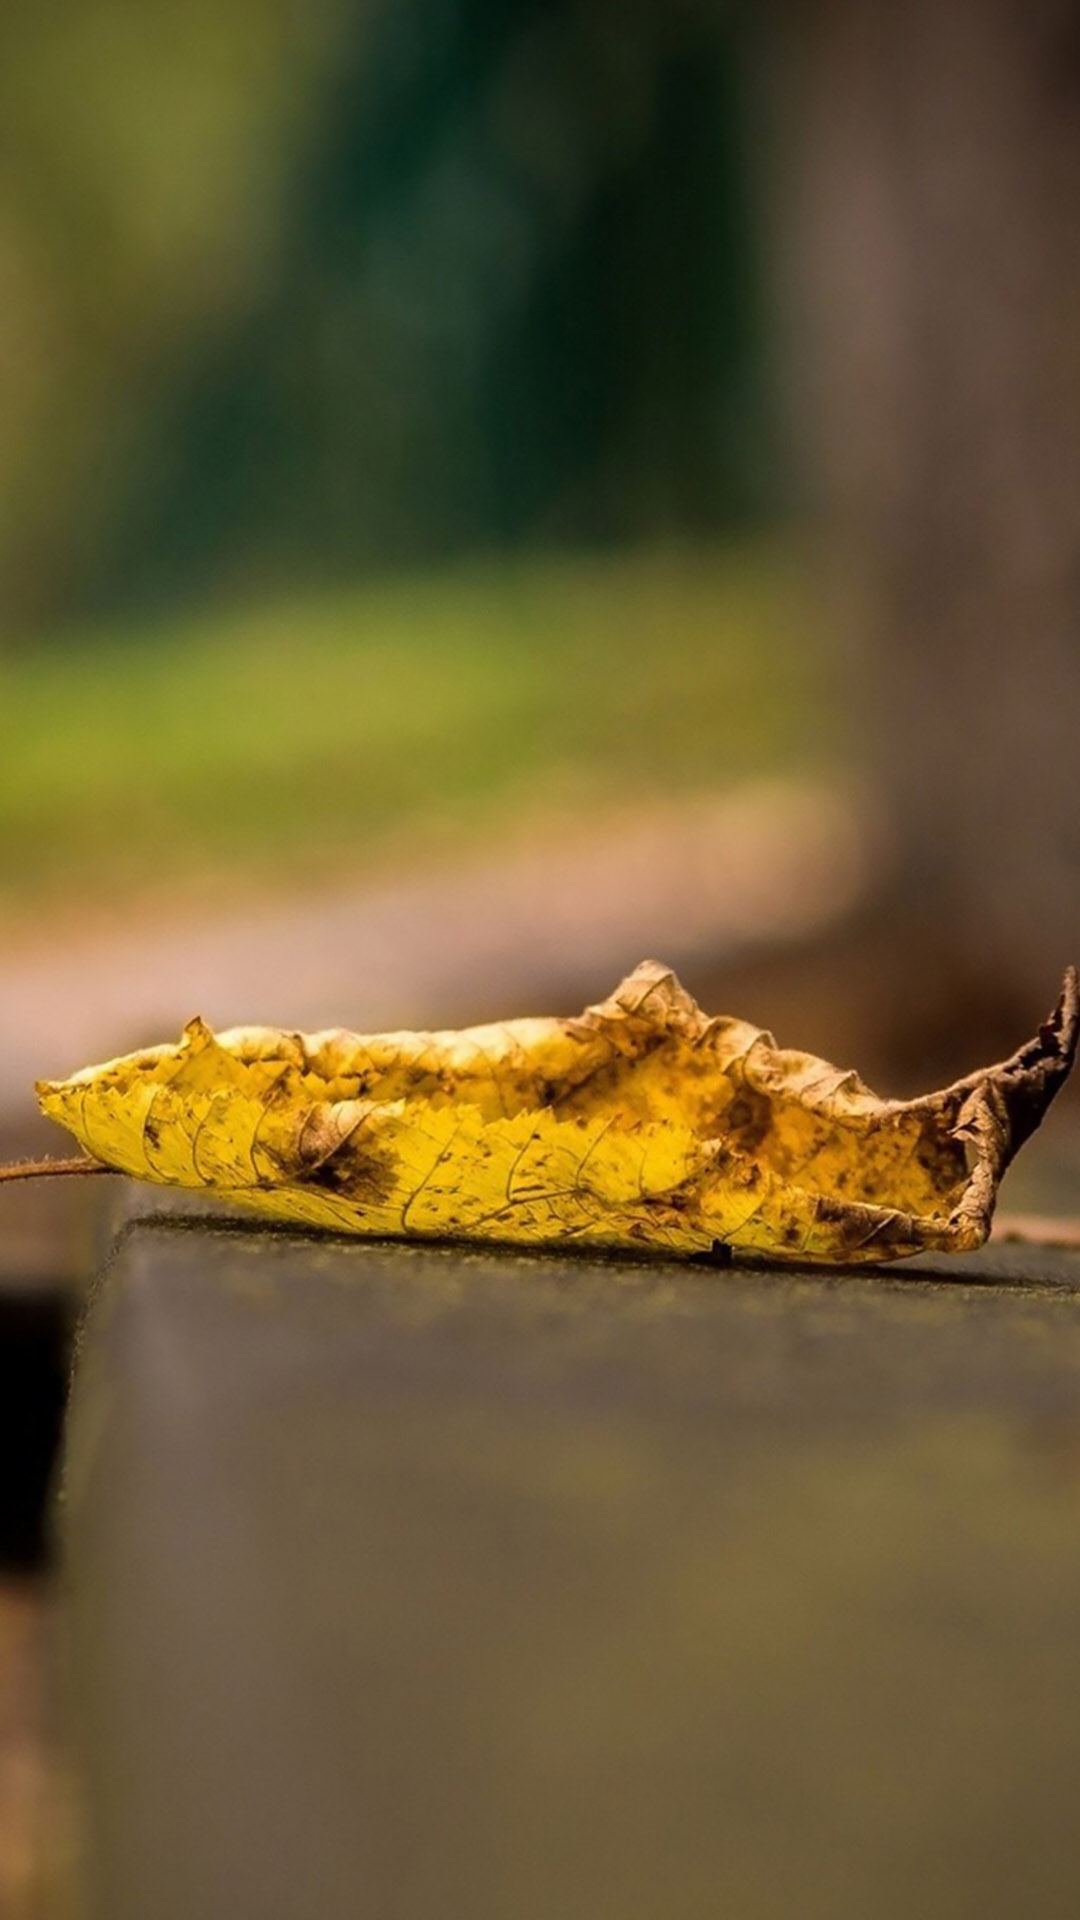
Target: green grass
(287,741)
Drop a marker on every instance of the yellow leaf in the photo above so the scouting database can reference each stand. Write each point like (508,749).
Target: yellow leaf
(643,1123)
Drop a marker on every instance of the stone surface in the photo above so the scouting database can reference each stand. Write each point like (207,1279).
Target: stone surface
(408,1582)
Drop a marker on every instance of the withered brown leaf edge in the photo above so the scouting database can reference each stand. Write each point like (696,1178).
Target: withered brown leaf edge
(1002,1106)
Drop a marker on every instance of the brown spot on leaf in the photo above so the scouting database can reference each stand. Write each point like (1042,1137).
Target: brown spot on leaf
(942,1158)
(853,1225)
(360,1169)
(336,1151)
(749,1119)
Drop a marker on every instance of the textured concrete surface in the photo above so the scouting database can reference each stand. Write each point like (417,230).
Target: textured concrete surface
(405,1582)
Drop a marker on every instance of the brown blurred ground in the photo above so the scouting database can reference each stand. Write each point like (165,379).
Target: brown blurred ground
(29,1766)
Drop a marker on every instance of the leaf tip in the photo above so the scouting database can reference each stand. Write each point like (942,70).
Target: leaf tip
(1058,1036)
(1036,1073)
(1065,1018)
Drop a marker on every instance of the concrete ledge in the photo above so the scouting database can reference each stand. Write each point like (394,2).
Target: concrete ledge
(413,1582)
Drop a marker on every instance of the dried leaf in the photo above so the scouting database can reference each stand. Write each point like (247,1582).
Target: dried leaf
(643,1123)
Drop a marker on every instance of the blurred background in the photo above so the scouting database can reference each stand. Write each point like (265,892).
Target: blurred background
(489,490)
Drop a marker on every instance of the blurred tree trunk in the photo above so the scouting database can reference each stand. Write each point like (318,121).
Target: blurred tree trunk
(933,192)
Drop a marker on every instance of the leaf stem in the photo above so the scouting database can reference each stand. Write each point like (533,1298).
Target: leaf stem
(42,1169)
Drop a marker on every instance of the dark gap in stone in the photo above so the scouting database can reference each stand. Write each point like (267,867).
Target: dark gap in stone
(35,1339)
